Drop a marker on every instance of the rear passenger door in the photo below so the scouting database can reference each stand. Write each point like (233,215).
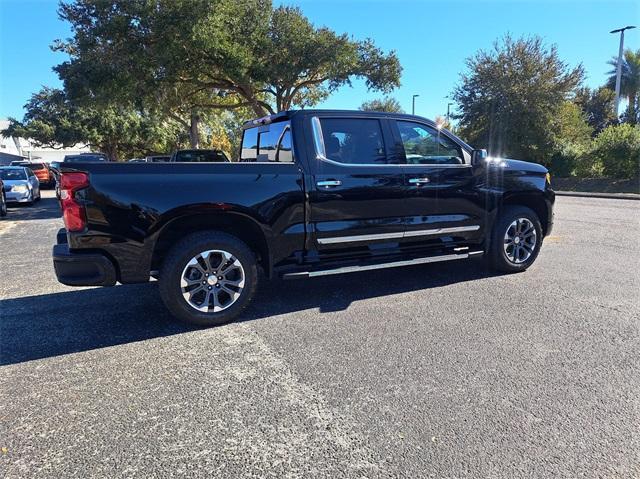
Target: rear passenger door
(441,202)
(357,184)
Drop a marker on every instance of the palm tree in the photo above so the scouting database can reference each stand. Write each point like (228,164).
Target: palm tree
(629,81)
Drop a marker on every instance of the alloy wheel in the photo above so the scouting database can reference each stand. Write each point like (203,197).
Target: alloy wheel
(212,281)
(520,240)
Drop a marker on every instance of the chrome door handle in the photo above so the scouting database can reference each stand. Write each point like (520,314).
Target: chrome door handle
(329,183)
(419,181)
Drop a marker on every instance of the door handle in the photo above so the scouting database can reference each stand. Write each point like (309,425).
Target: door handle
(419,181)
(329,183)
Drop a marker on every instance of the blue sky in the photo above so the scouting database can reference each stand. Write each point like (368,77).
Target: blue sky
(432,39)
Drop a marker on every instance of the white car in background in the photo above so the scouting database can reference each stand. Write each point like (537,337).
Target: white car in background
(21,185)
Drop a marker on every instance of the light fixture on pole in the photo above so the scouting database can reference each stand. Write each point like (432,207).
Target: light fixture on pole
(413,104)
(619,67)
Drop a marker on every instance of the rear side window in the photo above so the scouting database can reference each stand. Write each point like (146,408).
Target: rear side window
(354,141)
(262,143)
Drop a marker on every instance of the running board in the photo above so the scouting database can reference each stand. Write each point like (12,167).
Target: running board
(394,264)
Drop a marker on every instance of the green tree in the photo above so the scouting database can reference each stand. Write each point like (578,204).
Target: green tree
(573,137)
(629,83)
(52,120)
(616,151)
(195,55)
(510,97)
(386,104)
(597,105)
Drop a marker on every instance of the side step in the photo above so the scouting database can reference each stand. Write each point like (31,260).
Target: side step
(394,264)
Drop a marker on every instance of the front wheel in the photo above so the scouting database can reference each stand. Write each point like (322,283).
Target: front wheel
(208,278)
(516,240)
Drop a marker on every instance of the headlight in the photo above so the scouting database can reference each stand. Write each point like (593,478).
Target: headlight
(20,188)
(548,177)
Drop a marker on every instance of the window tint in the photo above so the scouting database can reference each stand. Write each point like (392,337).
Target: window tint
(428,146)
(353,141)
(249,145)
(285,149)
(84,158)
(200,156)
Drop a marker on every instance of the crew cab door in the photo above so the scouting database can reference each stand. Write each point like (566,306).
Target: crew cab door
(442,206)
(357,184)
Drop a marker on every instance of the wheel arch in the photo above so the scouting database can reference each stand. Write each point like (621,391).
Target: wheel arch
(533,201)
(238,225)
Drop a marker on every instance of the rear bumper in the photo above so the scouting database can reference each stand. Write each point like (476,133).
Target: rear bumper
(82,269)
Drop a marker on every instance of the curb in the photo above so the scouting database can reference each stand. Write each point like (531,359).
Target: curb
(613,196)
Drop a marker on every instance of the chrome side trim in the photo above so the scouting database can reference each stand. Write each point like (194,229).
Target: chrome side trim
(351,239)
(394,264)
(404,234)
(441,231)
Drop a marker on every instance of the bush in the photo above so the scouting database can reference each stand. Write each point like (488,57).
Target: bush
(616,151)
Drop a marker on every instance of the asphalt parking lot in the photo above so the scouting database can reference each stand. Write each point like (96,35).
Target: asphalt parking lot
(438,371)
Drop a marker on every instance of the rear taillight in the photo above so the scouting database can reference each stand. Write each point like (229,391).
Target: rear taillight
(73,213)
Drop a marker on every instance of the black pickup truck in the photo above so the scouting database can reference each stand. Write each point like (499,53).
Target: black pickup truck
(313,193)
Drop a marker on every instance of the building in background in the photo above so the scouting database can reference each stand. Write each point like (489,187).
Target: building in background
(12,149)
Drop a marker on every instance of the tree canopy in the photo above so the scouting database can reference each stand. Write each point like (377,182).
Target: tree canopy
(202,54)
(54,121)
(510,98)
(386,104)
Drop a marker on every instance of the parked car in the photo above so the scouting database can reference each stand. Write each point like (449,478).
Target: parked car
(317,193)
(20,184)
(158,158)
(3,199)
(199,156)
(42,170)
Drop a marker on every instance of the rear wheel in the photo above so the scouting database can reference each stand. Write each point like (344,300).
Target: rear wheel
(3,205)
(516,240)
(208,278)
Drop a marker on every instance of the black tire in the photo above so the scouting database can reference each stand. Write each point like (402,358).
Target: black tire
(3,205)
(182,253)
(498,258)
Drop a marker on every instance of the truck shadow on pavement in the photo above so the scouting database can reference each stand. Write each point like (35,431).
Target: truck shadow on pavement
(50,325)
(45,209)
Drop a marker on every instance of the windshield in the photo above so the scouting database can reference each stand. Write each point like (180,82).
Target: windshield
(200,156)
(11,174)
(83,158)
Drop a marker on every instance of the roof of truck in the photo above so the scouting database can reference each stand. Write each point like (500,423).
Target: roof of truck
(288,114)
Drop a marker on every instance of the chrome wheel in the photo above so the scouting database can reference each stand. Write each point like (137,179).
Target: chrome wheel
(520,240)
(212,281)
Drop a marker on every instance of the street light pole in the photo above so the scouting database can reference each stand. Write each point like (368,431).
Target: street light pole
(413,104)
(448,106)
(619,67)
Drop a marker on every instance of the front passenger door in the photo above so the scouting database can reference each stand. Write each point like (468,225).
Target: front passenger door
(441,202)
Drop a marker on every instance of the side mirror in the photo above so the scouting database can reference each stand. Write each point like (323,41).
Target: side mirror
(478,156)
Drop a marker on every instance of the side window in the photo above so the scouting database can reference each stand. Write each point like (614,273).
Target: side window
(353,141)
(285,150)
(30,172)
(424,145)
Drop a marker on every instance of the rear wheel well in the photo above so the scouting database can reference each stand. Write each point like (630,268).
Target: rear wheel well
(236,225)
(533,202)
